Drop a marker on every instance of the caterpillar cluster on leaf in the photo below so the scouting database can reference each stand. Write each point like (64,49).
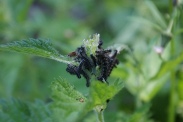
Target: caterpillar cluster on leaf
(104,59)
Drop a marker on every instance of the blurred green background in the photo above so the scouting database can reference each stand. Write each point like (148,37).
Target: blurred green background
(151,78)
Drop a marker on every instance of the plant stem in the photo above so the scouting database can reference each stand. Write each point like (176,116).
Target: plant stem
(171,111)
(100,116)
(99,111)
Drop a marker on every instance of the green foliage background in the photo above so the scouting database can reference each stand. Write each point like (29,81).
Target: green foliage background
(153,82)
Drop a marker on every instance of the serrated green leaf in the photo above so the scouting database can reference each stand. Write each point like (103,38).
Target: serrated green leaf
(36,47)
(13,110)
(101,92)
(67,101)
(61,87)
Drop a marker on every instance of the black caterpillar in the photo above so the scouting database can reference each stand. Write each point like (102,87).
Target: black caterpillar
(105,60)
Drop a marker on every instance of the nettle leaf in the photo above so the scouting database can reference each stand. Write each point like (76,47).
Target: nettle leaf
(67,101)
(99,94)
(14,110)
(36,47)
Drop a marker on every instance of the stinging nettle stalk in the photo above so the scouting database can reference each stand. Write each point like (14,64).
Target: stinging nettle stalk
(93,61)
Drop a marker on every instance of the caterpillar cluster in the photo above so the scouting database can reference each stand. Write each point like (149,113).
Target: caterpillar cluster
(105,60)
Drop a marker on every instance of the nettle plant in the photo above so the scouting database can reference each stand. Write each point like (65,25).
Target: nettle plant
(90,61)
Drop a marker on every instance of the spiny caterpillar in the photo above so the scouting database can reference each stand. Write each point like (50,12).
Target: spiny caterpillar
(104,59)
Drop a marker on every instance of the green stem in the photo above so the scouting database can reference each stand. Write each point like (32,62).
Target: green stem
(99,111)
(171,112)
(100,116)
